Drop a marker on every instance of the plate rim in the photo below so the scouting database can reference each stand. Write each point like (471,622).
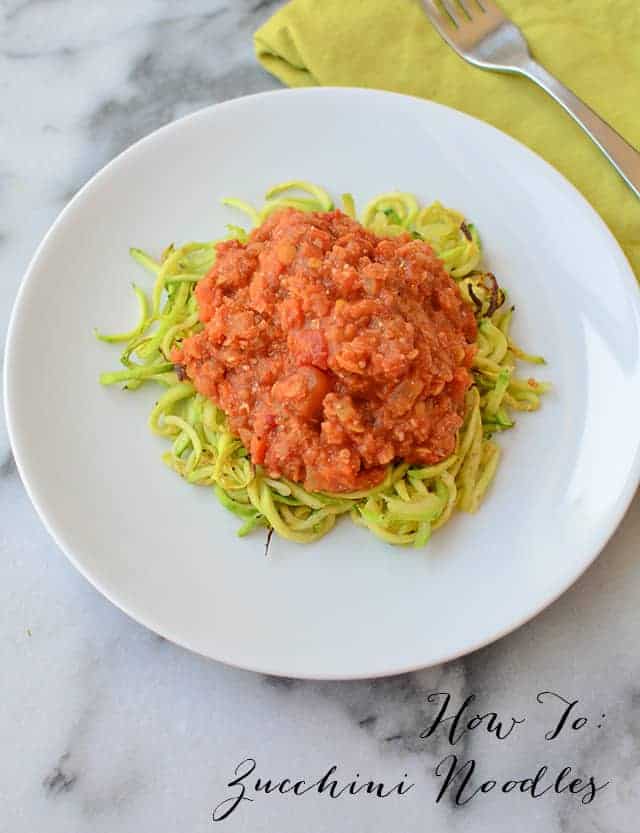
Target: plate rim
(606,531)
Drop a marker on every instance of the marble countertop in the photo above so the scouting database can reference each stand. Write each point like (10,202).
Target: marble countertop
(105,726)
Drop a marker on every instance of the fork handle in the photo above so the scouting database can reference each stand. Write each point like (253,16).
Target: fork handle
(624,157)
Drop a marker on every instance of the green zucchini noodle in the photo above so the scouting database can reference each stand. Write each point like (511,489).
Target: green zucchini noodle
(412,501)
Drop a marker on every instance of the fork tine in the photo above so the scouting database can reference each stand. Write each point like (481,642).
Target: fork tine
(450,9)
(439,19)
(489,6)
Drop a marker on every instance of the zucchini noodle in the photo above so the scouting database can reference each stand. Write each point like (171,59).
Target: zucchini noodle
(412,501)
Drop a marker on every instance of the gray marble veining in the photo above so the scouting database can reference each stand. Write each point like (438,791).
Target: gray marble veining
(107,727)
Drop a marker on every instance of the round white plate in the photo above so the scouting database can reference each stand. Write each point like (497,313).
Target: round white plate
(349,606)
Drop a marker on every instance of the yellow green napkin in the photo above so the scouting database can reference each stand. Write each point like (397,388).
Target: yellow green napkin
(593,46)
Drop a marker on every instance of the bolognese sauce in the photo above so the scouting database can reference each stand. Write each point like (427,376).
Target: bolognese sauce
(331,350)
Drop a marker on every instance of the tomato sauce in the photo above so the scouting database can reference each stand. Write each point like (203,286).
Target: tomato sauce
(332,351)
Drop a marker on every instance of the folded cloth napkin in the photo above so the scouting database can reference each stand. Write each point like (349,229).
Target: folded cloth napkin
(590,45)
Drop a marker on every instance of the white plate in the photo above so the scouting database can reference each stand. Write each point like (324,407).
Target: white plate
(349,606)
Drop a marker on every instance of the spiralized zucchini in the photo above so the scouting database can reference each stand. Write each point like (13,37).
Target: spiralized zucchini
(412,501)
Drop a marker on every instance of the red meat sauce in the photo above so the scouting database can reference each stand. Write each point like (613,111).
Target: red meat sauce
(332,351)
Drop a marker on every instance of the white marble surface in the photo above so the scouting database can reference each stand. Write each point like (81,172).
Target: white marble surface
(105,726)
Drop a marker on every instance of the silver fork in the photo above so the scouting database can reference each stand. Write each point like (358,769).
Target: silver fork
(481,34)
